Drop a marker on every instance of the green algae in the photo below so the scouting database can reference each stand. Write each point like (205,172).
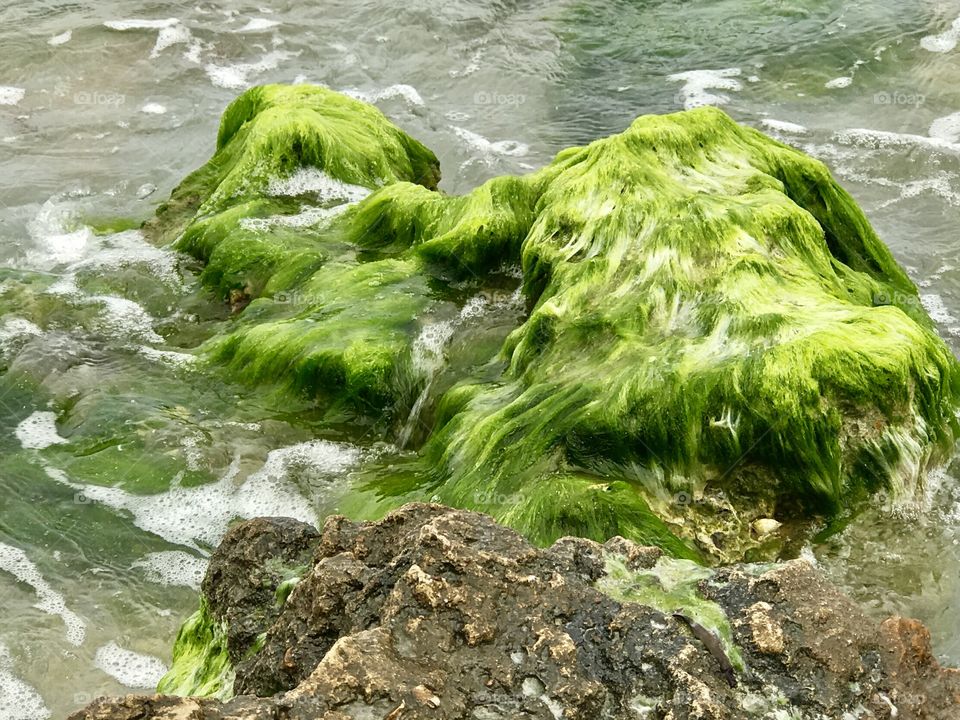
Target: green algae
(671,586)
(201,664)
(707,310)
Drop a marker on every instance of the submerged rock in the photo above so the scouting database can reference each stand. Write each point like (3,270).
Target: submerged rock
(439,613)
(714,333)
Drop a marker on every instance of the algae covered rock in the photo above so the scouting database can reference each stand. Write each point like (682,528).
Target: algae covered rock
(440,613)
(712,332)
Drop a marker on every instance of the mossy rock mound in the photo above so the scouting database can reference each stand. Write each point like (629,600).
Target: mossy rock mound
(713,331)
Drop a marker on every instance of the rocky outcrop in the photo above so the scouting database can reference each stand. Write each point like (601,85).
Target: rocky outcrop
(440,613)
(706,315)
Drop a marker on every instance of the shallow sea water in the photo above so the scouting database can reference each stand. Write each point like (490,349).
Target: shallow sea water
(119,471)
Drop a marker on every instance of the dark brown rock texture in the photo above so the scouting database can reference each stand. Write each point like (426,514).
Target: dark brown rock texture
(440,613)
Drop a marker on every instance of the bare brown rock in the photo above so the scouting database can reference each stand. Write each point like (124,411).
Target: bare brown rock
(439,613)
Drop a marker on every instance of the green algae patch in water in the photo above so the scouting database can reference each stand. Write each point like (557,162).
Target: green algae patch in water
(201,664)
(707,314)
(671,586)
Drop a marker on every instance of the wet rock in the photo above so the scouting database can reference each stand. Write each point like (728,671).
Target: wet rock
(441,613)
(698,297)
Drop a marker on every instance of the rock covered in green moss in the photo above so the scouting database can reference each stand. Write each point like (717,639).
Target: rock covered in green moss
(714,332)
(253,571)
(439,613)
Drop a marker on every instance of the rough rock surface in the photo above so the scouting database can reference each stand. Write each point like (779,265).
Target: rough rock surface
(441,613)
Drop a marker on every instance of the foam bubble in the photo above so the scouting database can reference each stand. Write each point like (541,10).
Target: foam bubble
(173,567)
(15,561)
(129,668)
(39,431)
(61,39)
(201,514)
(153,109)
(945,41)
(698,83)
(840,82)
(20,699)
(256,25)
(11,95)
(783,126)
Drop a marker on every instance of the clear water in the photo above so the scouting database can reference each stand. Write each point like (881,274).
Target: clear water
(102,539)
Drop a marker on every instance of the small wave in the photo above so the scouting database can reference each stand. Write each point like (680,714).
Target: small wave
(258,25)
(236,77)
(507,148)
(61,39)
(785,127)
(404,92)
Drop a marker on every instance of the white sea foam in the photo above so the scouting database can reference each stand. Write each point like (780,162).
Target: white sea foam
(14,330)
(257,25)
(128,249)
(173,567)
(153,109)
(405,92)
(141,24)
(945,41)
(508,148)
(938,312)
(39,431)
(946,128)
(892,140)
(176,34)
(11,95)
(309,181)
(171,357)
(61,39)
(840,82)
(785,127)
(125,319)
(312,181)
(15,562)
(131,669)
(191,516)
(55,244)
(236,77)
(307,217)
(17,698)
(697,85)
